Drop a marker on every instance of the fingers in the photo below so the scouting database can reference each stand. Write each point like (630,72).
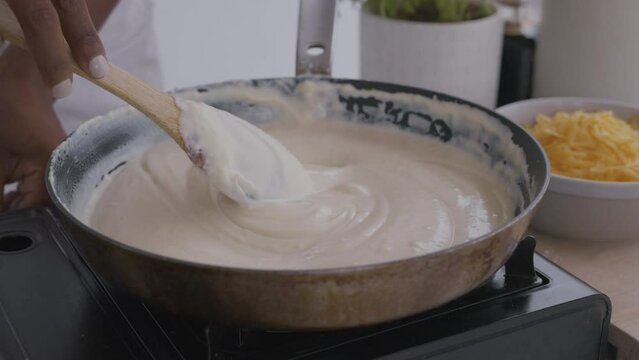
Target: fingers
(6,168)
(2,183)
(43,32)
(29,177)
(31,193)
(12,200)
(31,190)
(51,27)
(82,36)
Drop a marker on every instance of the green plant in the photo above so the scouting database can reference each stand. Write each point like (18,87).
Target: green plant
(431,10)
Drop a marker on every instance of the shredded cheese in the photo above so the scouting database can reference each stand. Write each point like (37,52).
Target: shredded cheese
(594,146)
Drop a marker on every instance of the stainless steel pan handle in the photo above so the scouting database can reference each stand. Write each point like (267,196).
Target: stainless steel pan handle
(314,37)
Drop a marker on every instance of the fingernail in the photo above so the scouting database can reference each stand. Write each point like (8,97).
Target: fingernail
(99,67)
(62,89)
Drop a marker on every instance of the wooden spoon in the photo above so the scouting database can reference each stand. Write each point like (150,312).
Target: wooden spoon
(157,105)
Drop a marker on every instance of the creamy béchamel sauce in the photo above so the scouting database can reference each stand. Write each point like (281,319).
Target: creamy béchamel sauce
(379,194)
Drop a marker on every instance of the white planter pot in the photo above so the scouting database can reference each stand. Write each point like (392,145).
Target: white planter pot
(461,59)
(588,48)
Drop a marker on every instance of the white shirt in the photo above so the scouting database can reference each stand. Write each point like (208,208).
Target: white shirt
(129,38)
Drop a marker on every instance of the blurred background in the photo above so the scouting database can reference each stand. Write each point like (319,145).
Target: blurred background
(251,39)
(242,39)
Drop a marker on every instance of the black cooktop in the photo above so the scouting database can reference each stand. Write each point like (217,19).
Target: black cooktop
(53,306)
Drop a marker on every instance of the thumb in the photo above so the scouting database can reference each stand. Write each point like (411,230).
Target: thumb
(31,192)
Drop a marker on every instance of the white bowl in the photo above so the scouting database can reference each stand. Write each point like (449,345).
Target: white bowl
(575,208)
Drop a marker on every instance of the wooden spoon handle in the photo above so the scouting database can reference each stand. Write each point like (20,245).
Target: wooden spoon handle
(157,105)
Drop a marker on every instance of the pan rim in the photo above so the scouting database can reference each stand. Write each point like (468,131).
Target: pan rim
(318,271)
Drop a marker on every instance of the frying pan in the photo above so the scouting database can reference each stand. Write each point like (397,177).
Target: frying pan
(304,299)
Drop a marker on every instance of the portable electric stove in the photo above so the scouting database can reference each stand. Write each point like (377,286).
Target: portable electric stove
(53,306)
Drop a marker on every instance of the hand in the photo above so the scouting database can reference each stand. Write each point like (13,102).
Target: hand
(48,26)
(29,130)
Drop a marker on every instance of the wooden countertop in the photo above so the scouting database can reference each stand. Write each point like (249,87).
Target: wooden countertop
(613,269)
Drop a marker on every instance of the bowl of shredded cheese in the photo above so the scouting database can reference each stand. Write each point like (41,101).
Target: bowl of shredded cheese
(593,149)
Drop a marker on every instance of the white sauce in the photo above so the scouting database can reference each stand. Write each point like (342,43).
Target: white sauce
(380,194)
(241,160)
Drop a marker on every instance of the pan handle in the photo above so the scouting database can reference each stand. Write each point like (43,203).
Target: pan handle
(314,37)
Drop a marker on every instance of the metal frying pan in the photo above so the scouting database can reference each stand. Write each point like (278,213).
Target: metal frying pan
(305,299)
